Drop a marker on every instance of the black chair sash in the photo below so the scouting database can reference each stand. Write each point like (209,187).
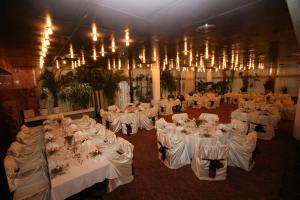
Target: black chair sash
(107,124)
(211,103)
(129,129)
(162,109)
(260,128)
(195,103)
(163,150)
(153,120)
(213,166)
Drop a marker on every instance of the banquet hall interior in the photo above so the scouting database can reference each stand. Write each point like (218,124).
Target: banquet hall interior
(150,99)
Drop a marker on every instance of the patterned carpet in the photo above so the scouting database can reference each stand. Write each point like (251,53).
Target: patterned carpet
(275,175)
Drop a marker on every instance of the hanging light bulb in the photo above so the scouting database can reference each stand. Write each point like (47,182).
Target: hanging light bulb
(185,50)
(114,63)
(75,64)
(102,49)
(224,59)
(144,55)
(213,59)
(133,63)
(94,54)
(64,62)
(41,62)
(72,64)
(71,51)
(57,64)
(127,37)
(83,60)
(154,54)
(113,44)
(128,64)
(191,58)
(206,49)
(94,32)
(79,62)
(119,63)
(166,56)
(108,64)
(177,61)
(49,25)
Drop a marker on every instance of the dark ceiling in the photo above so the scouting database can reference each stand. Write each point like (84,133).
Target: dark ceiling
(252,23)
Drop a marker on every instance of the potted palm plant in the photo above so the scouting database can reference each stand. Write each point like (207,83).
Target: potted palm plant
(80,95)
(167,82)
(54,82)
(43,102)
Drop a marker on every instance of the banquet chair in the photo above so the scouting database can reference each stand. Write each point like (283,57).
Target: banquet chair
(116,124)
(263,125)
(241,148)
(152,113)
(241,126)
(112,108)
(180,117)
(172,150)
(145,122)
(145,105)
(210,162)
(102,116)
(210,103)
(209,117)
(129,123)
(121,165)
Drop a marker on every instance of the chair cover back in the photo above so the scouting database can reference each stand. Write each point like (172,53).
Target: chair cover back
(172,150)
(129,123)
(240,126)
(241,148)
(180,117)
(210,162)
(209,117)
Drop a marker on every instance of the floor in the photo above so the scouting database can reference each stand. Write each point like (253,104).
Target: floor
(275,175)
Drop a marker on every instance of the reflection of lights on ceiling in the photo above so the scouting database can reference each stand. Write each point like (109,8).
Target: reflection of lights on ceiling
(154,54)
(114,63)
(213,59)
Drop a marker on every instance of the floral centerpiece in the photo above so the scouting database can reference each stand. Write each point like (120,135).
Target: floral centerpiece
(52,148)
(199,122)
(95,153)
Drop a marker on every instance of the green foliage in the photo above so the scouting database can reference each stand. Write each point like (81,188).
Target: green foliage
(221,87)
(202,86)
(80,94)
(167,81)
(269,84)
(54,82)
(284,90)
(248,81)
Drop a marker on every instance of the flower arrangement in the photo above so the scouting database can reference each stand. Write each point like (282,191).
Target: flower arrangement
(68,139)
(52,148)
(95,153)
(57,167)
(199,122)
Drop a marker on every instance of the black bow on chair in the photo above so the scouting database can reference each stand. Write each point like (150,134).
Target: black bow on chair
(213,166)
(107,124)
(211,103)
(260,128)
(163,150)
(162,109)
(153,120)
(129,129)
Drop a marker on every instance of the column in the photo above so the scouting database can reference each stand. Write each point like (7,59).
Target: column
(156,76)
(209,75)
(297,119)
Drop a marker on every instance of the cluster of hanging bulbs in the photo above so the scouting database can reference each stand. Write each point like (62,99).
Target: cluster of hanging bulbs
(45,40)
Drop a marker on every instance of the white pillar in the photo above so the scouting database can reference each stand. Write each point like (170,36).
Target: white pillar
(209,75)
(156,83)
(297,119)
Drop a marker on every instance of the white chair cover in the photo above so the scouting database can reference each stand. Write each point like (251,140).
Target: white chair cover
(112,108)
(129,119)
(240,150)
(103,116)
(180,117)
(210,162)
(209,117)
(145,122)
(172,150)
(121,165)
(240,126)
